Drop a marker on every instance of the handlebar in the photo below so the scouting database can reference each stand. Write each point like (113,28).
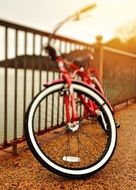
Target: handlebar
(52,52)
(75,16)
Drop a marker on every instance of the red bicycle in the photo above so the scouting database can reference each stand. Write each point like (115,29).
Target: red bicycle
(82,137)
(79,138)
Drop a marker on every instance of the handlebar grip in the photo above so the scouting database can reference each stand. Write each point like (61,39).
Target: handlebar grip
(51,51)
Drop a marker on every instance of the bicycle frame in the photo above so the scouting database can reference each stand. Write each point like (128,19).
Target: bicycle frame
(69,100)
(68,95)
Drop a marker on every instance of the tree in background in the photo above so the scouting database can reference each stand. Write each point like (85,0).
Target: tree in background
(126,31)
(125,38)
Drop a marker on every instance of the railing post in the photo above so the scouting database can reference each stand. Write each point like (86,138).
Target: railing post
(14,149)
(99,46)
(6,88)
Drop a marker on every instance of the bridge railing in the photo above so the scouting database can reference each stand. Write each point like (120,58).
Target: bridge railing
(117,71)
(23,69)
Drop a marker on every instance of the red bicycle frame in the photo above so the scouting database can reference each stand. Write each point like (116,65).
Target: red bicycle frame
(68,95)
(69,100)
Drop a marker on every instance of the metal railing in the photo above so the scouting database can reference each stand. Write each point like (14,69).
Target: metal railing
(117,70)
(23,69)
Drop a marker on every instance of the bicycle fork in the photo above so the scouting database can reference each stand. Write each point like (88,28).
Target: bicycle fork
(70,107)
(70,104)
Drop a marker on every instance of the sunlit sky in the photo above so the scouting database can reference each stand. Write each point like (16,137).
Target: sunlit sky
(45,14)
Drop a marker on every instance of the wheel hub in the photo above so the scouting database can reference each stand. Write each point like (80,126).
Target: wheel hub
(72,127)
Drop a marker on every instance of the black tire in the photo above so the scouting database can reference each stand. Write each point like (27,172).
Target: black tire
(70,154)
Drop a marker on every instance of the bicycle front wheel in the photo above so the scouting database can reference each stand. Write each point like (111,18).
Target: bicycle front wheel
(73,154)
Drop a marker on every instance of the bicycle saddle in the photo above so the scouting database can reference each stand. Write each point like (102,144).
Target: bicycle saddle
(82,60)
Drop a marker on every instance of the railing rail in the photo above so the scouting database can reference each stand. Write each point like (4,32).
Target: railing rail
(117,51)
(16,26)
